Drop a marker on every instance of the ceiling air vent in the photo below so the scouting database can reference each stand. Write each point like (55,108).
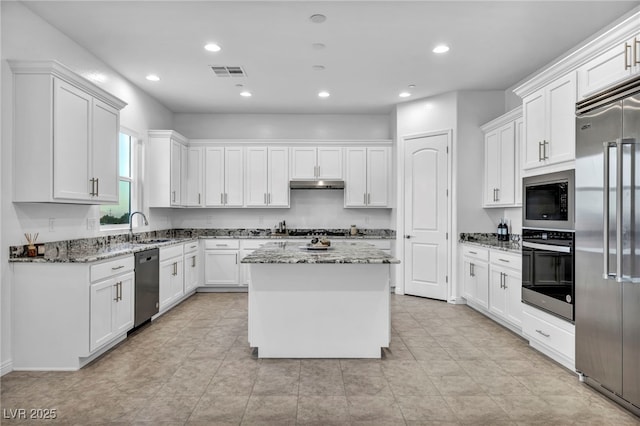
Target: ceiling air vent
(222,71)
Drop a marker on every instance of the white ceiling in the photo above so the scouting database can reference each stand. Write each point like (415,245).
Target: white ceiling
(374,49)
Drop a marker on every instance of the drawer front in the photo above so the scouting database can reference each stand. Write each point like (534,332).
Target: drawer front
(171,251)
(475,252)
(220,244)
(506,259)
(190,247)
(549,334)
(110,268)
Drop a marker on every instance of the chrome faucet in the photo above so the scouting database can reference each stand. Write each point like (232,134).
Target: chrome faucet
(146,222)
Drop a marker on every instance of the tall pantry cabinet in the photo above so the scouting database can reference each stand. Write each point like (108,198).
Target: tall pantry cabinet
(65,136)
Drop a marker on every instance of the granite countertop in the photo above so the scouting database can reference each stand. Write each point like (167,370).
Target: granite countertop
(102,253)
(338,252)
(101,248)
(489,240)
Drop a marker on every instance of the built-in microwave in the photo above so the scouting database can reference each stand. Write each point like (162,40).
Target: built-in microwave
(548,201)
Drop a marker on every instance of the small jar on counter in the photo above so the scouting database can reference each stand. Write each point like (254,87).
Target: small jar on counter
(354,230)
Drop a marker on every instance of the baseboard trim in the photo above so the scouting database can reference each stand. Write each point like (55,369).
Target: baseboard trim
(234,289)
(6,367)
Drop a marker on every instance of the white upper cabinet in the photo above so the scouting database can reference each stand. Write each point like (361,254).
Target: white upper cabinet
(224,176)
(610,67)
(312,163)
(65,136)
(549,124)
(267,177)
(367,177)
(194,179)
(501,161)
(165,164)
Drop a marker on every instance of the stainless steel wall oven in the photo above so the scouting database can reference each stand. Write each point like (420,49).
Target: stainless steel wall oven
(548,271)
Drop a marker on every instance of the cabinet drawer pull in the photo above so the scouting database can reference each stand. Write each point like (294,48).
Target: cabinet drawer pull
(504,260)
(473,252)
(543,333)
(115,268)
(222,245)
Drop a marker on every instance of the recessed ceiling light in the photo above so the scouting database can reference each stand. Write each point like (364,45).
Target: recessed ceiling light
(212,47)
(404,94)
(412,86)
(318,46)
(317,18)
(153,77)
(442,48)
(323,94)
(245,94)
(318,67)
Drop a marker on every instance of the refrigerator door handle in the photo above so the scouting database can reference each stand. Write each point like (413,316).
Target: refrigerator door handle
(620,206)
(605,202)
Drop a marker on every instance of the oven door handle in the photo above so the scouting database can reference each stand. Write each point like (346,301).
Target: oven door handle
(559,249)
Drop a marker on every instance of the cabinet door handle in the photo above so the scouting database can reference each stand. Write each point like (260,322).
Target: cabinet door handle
(193,262)
(199,202)
(97,187)
(116,286)
(236,258)
(540,151)
(543,333)
(120,290)
(115,268)
(318,171)
(497,194)
(364,198)
(545,144)
(636,57)
(173,196)
(627,48)
(269,198)
(368,198)
(93,187)
(472,270)
(264,198)
(226,199)
(221,198)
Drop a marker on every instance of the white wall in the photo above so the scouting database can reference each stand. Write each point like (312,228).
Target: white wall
(282,126)
(26,36)
(310,208)
(463,113)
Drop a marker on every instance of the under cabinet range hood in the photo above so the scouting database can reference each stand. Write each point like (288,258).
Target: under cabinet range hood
(316,184)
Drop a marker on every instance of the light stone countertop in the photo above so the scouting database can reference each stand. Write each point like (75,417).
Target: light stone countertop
(338,252)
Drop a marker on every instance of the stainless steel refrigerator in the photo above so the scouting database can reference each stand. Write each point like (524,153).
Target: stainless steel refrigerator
(607,239)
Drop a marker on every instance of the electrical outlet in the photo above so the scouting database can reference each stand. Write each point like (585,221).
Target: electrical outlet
(92,223)
(52,224)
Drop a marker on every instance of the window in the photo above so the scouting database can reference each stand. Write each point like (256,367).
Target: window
(111,216)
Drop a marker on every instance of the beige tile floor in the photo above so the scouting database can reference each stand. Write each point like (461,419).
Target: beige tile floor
(447,365)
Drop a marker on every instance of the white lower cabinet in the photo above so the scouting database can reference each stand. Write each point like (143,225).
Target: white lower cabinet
(191,267)
(492,283)
(112,309)
(171,275)
(475,278)
(221,262)
(247,247)
(550,335)
(67,314)
(505,287)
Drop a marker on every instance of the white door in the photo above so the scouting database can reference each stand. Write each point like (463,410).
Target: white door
(176,172)
(329,163)
(256,176)
(233,177)
(71,133)
(491,163)
(378,177)
(214,177)
(426,222)
(355,191)
(278,195)
(104,151)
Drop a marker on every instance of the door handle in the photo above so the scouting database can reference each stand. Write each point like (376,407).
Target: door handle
(264,198)
(221,198)
(97,187)
(193,262)
(636,57)
(364,195)
(540,151)
(545,144)
(199,201)
(407,237)
(472,270)
(116,286)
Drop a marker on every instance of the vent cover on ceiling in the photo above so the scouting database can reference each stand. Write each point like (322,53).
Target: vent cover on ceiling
(223,71)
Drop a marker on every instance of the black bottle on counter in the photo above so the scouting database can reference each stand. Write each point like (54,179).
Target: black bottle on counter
(505,231)
(500,230)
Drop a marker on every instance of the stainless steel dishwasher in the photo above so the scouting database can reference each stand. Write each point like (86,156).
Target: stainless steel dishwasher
(147,285)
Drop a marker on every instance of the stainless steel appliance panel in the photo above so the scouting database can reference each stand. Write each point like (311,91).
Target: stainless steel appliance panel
(631,252)
(598,309)
(147,290)
(545,198)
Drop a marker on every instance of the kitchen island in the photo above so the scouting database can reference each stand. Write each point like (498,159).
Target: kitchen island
(331,303)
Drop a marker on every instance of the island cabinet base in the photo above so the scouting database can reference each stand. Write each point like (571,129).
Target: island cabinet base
(319,310)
